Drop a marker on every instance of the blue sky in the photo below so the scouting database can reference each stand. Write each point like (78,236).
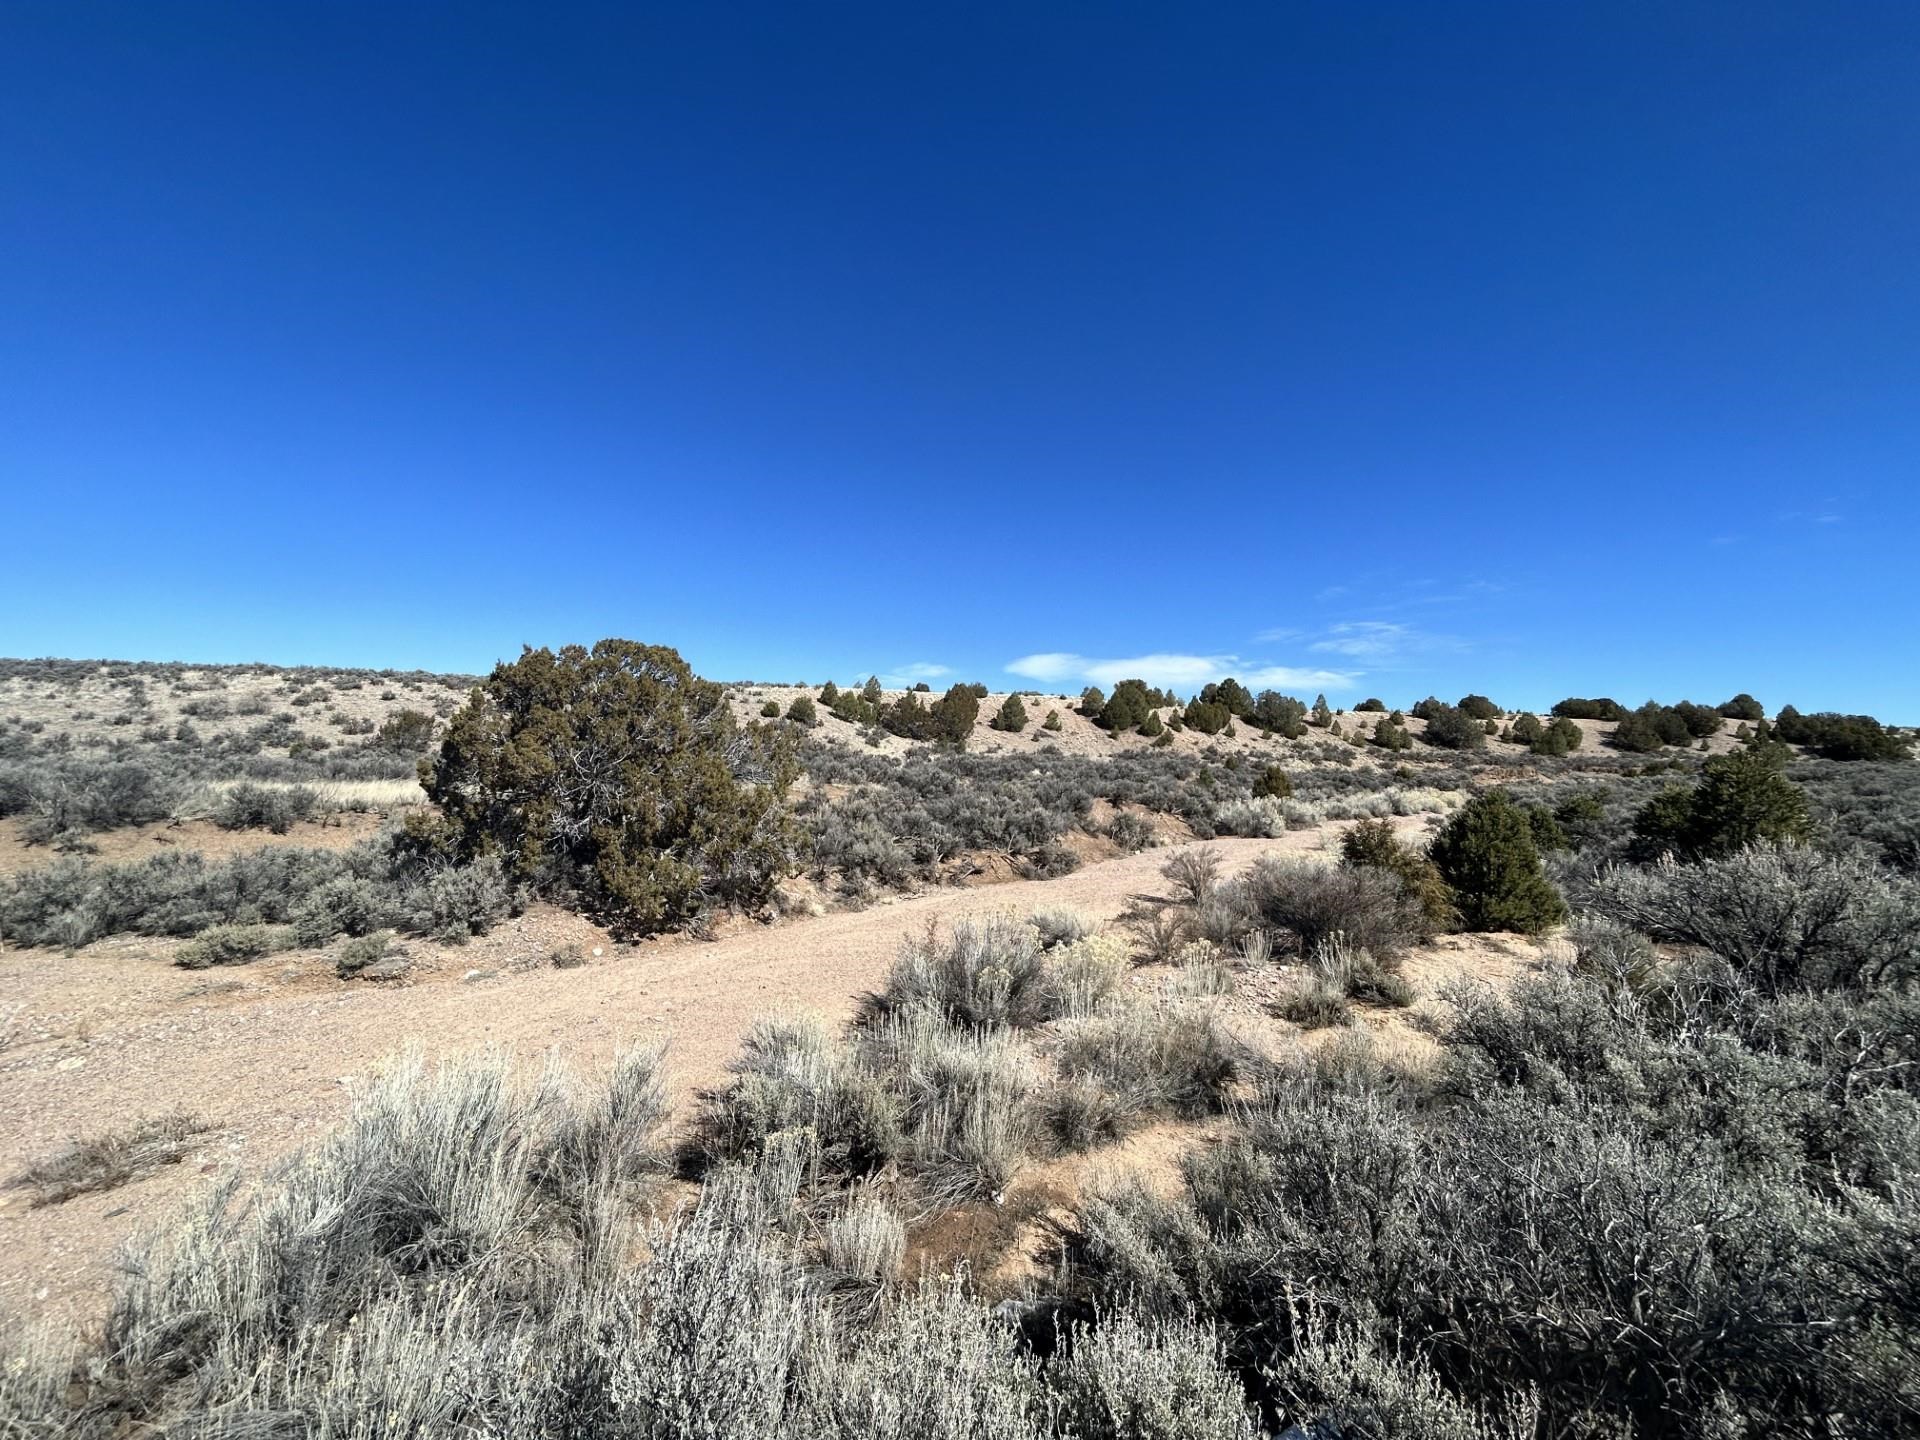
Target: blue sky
(1379,349)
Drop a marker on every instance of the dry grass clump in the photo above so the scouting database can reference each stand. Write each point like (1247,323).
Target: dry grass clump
(965,1099)
(1338,973)
(119,1157)
(863,1247)
(1059,926)
(989,972)
(1167,1056)
(1193,872)
(1085,975)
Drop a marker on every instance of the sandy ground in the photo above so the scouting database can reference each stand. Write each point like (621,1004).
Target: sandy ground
(92,1041)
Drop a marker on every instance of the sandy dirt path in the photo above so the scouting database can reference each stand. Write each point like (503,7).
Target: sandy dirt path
(263,1052)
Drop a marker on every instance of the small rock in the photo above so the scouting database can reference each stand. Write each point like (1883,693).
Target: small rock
(392,968)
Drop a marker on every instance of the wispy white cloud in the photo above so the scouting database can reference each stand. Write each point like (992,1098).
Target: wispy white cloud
(1383,642)
(1184,673)
(1279,635)
(919,670)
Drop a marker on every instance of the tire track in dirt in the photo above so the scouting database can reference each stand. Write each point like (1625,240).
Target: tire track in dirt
(268,1066)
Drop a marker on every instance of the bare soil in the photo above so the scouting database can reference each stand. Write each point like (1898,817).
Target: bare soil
(93,1041)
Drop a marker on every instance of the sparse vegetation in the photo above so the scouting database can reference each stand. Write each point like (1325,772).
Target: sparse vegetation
(1687,1131)
(106,1162)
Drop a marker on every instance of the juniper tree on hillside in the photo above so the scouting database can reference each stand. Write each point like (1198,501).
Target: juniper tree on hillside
(615,778)
(1487,856)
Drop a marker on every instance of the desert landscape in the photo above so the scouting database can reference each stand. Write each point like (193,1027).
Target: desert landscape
(985,722)
(977,1027)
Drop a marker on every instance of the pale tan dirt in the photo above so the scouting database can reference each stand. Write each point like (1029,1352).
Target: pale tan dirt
(138,842)
(97,1039)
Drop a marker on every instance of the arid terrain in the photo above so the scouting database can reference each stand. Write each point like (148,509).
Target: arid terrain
(1039,1012)
(265,1053)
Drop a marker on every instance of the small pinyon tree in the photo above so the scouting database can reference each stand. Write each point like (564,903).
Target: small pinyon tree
(1487,856)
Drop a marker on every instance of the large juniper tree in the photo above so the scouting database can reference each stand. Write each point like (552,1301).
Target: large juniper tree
(616,778)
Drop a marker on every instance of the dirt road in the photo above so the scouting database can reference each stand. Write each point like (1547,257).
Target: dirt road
(116,1033)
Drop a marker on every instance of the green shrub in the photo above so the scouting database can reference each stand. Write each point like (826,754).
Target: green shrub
(1012,715)
(1700,720)
(802,712)
(1231,696)
(1373,843)
(1279,714)
(1601,709)
(1487,856)
(1478,707)
(1526,730)
(1127,708)
(1273,781)
(1454,729)
(1207,717)
(1322,713)
(770,710)
(1093,702)
(1741,799)
(615,776)
(235,945)
(1370,705)
(1743,707)
(1389,736)
(953,715)
(405,732)
(1840,737)
(1152,727)
(1643,731)
(1052,722)
(1560,737)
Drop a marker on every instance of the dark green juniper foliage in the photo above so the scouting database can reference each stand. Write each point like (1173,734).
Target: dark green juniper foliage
(614,776)
(1012,716)
(1127,708)
(1453,729)
(1487,855)
(1279,714)
(1840,737)
(1743,799)
(1208,717)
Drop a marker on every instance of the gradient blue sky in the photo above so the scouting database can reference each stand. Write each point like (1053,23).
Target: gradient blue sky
(1373,348)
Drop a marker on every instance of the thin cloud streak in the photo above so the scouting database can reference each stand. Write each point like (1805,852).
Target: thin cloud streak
(1186,673)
